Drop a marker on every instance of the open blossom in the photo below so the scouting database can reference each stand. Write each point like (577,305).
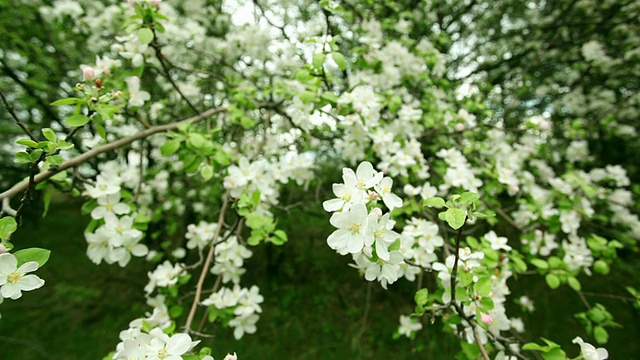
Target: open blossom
(110,203)
(365,176)
(163,347)
(382,234)
(136,96)
(589,352)
(104,185)
(244,325)
(350,236)
(408,326)
(347,194)
(164,275)
(14,280)
(390,199)
(497,242)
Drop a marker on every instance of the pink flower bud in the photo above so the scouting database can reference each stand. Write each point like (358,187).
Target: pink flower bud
(486,318)
(88,73)
(3,249)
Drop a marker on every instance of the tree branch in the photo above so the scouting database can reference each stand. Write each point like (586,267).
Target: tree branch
(15,117)
(207,264)
(43,176)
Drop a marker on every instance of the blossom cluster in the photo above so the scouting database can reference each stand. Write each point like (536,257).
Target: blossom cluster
(242,303)
(116,238)
(362,229)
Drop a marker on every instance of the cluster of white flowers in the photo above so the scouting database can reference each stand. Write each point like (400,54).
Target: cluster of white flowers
(154,345)
(420,240)
(115,240)
(230,256)
(243,303)
(366,234)
(200,235)
(164,275)
(266,176)
(459,173)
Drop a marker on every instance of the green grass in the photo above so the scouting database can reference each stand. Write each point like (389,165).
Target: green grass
(314,304)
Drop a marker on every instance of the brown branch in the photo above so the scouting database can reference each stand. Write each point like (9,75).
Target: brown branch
(207,264)
(15,117)
(43,176)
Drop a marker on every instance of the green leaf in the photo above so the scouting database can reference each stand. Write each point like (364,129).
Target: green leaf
(532,346)
(600,334)
(206,171)
(7,226)
(601,267)
(196,140)
(540,264)
(46,198)
(434,202)
(340,60)
(255,198)
(455,217)
(175,311)
(487,303)
(170,147)
(27,142)
(281,235)
(318,60)
(35,155)
(76,120)
(483,286)
(23,157)
(49,134)
(468,197)
(67,101)
(574,283)
(41,256)
(422,296)
(552,280)
(55,159)
(554,354)
(145,36)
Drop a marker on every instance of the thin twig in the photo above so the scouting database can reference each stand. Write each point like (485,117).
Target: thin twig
(15,118)
(207,263)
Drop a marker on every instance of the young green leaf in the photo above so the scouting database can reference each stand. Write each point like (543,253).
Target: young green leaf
(455,217)
(76,120)
(67,101)
(552,280)
(145,36)
(7,226)
(41,256)
(340,60)
(434,202)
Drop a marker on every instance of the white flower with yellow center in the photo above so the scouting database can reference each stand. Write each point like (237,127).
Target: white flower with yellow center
(13,279)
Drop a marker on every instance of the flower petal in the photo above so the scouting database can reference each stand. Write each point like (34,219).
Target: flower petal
(8,264)
(30,282)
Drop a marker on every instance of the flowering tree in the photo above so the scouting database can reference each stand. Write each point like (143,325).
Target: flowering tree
(473,141)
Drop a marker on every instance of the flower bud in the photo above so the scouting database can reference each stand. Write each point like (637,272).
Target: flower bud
(486,318)
(3,249)
(231,357)
(88,73)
